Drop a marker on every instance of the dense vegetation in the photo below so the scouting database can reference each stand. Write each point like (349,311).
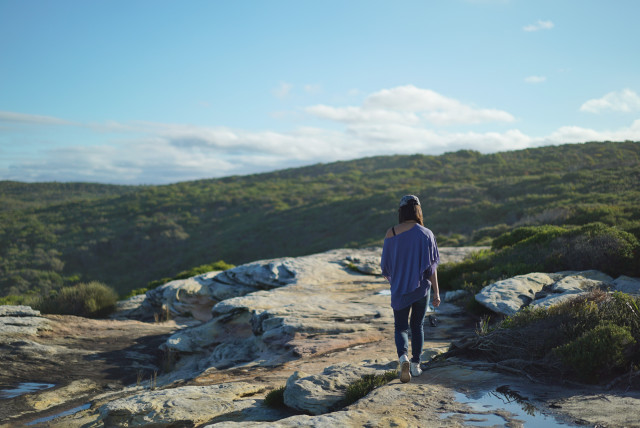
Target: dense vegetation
(592,338)
(57,234)
(547,248)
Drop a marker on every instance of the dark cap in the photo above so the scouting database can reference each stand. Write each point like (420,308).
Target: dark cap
(407,199)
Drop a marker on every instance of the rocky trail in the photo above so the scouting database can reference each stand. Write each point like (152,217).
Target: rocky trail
(314,324)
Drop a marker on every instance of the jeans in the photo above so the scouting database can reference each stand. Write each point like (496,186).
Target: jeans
(402,325)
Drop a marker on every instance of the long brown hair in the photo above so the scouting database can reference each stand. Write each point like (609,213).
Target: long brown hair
(411,211)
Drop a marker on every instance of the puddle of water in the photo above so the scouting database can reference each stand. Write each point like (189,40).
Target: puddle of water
(504,399)
(24,388)
(61,414)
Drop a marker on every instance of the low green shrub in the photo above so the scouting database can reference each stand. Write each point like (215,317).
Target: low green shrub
(597,352)
(524,317)
(92,299)
(523,234)
(13,299)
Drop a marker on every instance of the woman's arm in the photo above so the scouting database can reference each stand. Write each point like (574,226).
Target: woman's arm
(435,289)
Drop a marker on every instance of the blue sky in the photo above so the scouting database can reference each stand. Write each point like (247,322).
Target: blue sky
(152,92)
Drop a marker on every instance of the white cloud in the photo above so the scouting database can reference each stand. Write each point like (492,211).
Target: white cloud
(312,89)
(624,101)
(576,134)
(540,25)
(535,79)
(283,90)
(393,121)
(409,104)
(11,117)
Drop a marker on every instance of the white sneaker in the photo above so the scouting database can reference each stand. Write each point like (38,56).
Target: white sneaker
(405,375)
(415,369)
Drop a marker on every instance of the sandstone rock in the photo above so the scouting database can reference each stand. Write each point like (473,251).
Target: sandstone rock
(571,285)
(508,296)
(265,274)
(367,264)
(553,299)
(18,311)
(51,398)
(232,353)
(184,297)
(195,296)
(21,320)
(202,337)
(430,353)
(608,410)
(581,282)
(627,285)
(451,296)
(183,406)
(132,308)
(317,394)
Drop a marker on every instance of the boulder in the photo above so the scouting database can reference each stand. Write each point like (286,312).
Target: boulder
(265,274)
(627,285)
(189,297)
(318,394)
(508,296)
(368,264)
(580,282)
(183,406)
(572,284)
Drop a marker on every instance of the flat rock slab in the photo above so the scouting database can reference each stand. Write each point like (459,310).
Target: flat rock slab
(20,320)
(607,410)
(183,406)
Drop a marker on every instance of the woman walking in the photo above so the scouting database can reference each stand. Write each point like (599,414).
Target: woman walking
(410,260)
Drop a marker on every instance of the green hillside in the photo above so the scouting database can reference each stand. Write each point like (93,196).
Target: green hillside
(55,234)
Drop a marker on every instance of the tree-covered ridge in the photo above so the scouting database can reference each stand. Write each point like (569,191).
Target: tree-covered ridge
(131,235)
(15,195)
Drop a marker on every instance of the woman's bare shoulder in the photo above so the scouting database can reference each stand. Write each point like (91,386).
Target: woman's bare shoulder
(389,233)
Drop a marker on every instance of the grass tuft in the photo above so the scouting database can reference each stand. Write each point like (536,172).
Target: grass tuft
(365,385)
(275,398)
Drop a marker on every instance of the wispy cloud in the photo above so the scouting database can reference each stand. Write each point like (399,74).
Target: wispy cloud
(540,25)
(312,89)
(11,117)
(623,101)
(535,79)
(282,90)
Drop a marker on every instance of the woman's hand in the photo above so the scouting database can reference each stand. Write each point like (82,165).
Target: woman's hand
(436,300)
